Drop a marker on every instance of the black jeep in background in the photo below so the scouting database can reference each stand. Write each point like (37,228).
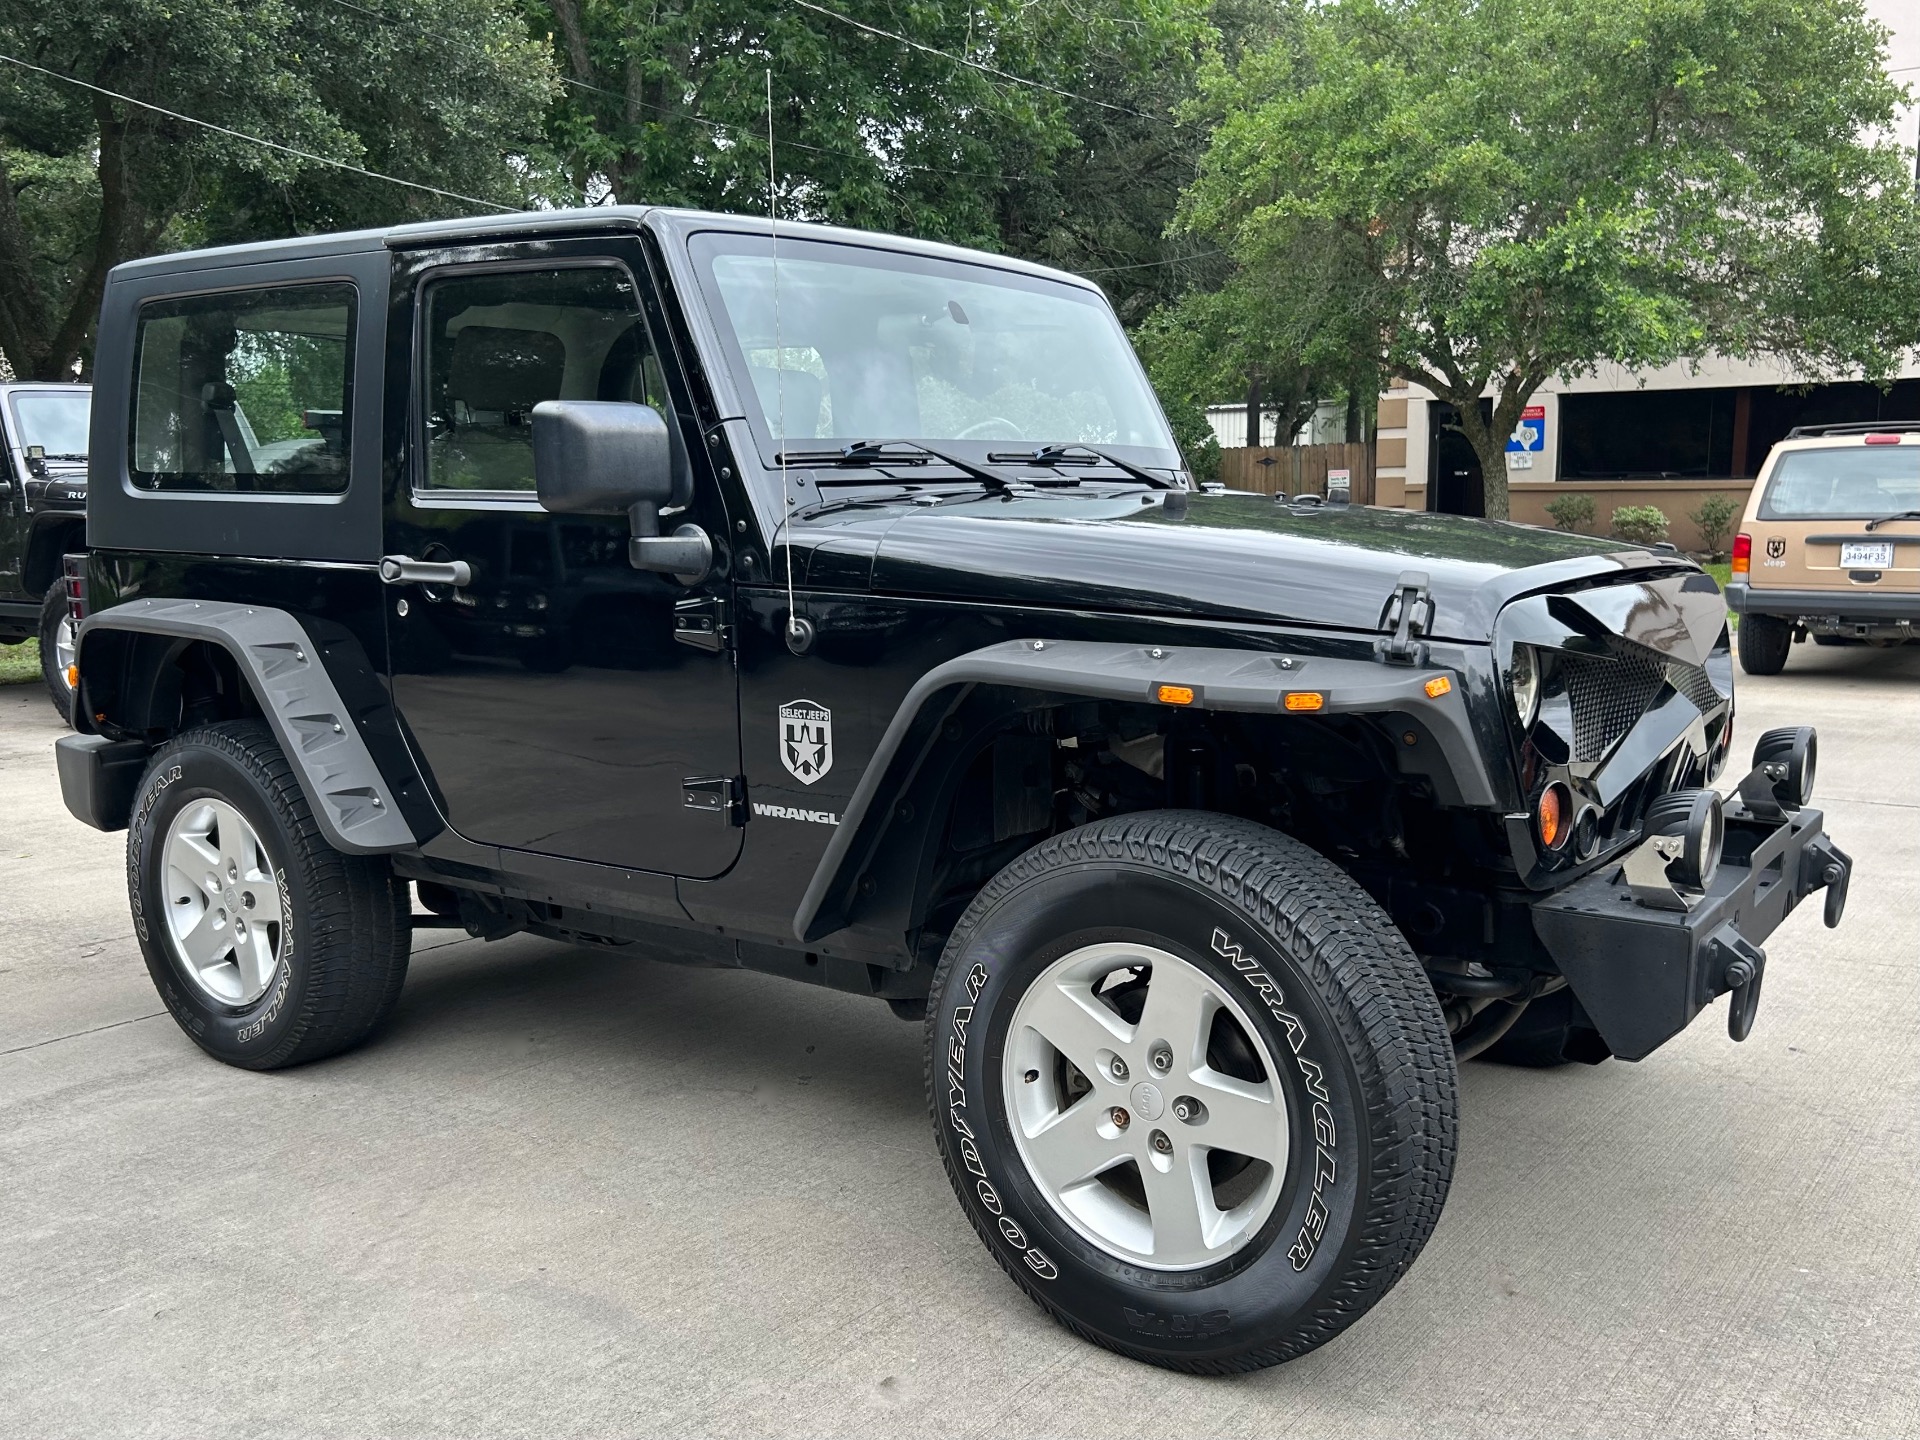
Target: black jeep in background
(43,516)
(837,606)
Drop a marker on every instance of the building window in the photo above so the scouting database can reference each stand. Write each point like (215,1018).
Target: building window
(1647,434)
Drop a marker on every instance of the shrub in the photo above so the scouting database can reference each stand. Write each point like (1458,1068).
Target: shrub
(1640,524)
(1715,519)
(1572,512)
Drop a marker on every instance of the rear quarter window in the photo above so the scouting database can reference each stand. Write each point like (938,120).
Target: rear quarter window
(1854,482)
(244,391)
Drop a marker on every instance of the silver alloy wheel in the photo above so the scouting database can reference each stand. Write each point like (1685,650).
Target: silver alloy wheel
(63,647)
(225,913)
(1118,1123)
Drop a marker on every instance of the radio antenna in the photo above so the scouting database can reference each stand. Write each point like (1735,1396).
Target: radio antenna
(784,532)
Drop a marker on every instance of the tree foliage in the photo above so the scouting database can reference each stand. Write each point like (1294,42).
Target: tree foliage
(1483,193)
(447,93)
(665,102)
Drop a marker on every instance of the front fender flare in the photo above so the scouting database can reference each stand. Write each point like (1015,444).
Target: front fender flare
(1047,672)
(353,803)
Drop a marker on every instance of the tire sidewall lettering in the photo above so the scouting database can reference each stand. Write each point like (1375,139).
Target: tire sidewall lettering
(1316,1212)
(174,782)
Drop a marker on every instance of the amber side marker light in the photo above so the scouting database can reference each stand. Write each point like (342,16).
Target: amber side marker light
(1742,555)
(1436,687)
(1174,694)
(1551,814)
(1305,700)
(73,677)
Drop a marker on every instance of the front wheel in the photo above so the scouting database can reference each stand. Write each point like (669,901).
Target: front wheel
(56,648)
(1192,1088)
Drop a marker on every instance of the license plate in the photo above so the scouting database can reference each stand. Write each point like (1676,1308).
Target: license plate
(1866,555)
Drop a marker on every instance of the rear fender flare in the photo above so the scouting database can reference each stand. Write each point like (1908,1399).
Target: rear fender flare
(358,808)
(973,693)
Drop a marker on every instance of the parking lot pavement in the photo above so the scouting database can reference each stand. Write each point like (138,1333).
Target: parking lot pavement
(584,1193)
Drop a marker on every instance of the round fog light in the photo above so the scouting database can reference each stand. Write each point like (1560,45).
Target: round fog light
(1698,819)
(1794,749)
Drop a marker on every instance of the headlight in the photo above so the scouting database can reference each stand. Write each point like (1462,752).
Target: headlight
(1523,683)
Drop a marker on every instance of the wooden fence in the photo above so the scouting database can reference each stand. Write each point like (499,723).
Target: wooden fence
(1297,469)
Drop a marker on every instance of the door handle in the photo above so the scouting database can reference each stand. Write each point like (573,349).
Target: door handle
(405,570)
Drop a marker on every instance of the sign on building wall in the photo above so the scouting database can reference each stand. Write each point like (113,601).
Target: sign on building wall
(1529,438)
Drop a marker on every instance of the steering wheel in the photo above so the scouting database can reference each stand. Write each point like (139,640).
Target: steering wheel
(972,431)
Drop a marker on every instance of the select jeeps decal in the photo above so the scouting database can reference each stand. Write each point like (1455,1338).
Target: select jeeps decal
(1324,1136)
(969,1148)
(806,740)
(788,812)
(1777,551)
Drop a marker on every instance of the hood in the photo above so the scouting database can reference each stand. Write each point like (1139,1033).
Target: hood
(1220,557)
(64,487)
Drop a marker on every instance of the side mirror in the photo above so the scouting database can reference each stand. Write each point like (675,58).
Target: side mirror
(602,457)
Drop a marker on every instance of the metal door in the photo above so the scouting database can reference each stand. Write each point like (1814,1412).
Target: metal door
(547,694)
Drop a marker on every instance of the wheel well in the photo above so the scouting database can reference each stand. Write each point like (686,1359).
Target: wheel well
(1009,770)
(148,687)
(44,549)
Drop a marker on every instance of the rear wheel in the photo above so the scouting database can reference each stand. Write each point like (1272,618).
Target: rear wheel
(56,648)
(1192,1088)
(1764,641)
(269,947)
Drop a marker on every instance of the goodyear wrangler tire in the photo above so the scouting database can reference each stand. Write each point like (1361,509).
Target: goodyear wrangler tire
(268,947)
(1192,1088)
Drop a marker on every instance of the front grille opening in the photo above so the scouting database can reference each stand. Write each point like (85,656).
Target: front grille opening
(1609,693)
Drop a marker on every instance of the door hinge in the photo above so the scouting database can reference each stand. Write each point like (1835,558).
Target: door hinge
(703,621)
(724,795)
(1409,616)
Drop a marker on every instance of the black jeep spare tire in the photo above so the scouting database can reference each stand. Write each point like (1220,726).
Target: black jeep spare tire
(1192,1087)
(268,947)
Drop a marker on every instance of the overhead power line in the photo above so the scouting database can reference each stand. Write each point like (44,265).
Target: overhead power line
(984,69)
(719,126)
(257,140)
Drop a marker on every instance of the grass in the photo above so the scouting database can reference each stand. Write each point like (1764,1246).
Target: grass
(20,664)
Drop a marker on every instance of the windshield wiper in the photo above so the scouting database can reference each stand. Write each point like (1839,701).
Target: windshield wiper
(1888,519)
(1073,455)
(875,452)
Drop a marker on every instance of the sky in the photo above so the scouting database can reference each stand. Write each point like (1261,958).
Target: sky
(1902,17)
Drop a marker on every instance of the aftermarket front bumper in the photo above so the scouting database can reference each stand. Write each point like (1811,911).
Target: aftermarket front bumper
(1642,974)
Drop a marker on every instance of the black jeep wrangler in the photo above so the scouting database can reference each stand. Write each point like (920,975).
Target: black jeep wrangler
(43,517)
(837,606)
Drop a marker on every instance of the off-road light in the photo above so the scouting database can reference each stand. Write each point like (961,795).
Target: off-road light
(1789,754)
(1304,700)
(1742,555)
(1523,684)
(1694,818)
(1551,814)
(1174,694)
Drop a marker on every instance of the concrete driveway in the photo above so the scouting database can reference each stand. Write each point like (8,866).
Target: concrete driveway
(578,1193)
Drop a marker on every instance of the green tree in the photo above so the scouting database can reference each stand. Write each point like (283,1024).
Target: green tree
(665,102)
(1485,193)
(448,94)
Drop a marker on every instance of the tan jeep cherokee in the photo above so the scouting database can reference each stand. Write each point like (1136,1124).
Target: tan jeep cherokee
(1830,544)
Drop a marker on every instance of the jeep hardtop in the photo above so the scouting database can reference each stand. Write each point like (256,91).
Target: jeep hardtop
(838,606)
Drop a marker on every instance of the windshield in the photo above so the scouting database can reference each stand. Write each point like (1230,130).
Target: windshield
(1858,482)
(55,420)
(873,345)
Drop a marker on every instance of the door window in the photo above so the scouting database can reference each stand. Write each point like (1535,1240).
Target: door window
(500,342)
(244,390)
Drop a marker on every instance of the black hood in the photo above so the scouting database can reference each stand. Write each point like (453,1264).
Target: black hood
(1223,557)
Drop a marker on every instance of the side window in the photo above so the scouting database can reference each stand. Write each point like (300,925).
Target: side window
(500,342)
(244,390)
